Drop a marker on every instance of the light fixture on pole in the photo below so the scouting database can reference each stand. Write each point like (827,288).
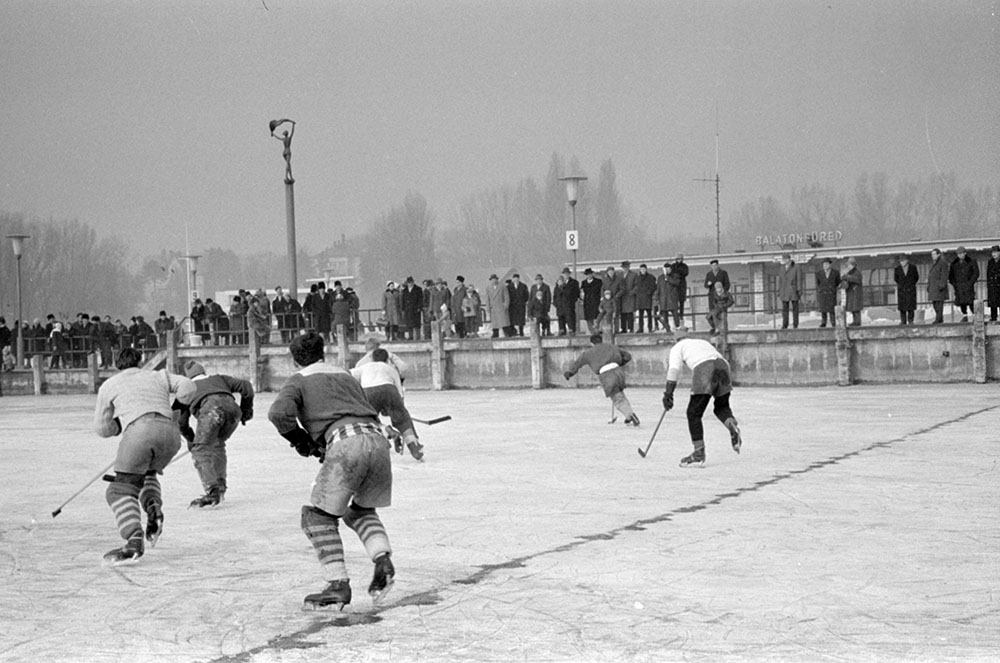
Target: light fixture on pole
(18,243)
(572,195)
(192,283)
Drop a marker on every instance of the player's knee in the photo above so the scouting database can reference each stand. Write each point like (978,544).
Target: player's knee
(314,517)
(126,484)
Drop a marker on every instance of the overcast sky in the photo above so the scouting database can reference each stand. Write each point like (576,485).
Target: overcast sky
(143,118)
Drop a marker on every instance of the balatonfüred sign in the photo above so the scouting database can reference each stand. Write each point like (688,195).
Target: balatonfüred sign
(800,238)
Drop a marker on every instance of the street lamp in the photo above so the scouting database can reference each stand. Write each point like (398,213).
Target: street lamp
(572,195)
(18,242)
(192,270)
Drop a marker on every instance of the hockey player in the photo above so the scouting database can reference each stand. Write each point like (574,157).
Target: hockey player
(137,404)
(606,361)
(340,427)
(384,390)
(217,414)
(710,379)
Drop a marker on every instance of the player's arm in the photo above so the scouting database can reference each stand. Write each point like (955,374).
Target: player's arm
(105,422)
(283,415)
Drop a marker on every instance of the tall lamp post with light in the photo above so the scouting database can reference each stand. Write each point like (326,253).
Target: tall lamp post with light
(192,285)
(18,242)
(572,195)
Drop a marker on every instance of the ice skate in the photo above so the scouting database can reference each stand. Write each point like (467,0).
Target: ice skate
(335,595)
(212,498)
(154,524)
(382,579)
(734,434)
(695,459)
(127,554)
(416,450)
(632,420)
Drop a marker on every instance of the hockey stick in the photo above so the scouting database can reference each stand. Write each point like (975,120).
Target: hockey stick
(614,415)
(431,422)
(655,430)
(85,487)
(111,477)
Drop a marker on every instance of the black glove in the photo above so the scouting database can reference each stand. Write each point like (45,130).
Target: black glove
(303,444)
(118,425)
(567,375)
(246,415)
(187,433)
(668,395)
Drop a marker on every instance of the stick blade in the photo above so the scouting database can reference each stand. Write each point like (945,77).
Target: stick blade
(641,452)
(56,512)
(446,417)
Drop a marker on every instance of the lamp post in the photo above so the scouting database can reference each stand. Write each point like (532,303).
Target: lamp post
(286,153)
(572,195)
(192,277)
(18,242)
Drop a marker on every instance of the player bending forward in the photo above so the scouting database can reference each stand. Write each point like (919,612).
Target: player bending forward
(710,379)
(384,391)
(137,404)
(217,414)
(341,428)
(606,361)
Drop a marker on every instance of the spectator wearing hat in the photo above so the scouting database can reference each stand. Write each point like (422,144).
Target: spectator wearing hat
(827,284)
(645,288)
(217,414)
(440,297)
(937,285)
(993,282)
(412,301)
(715,273)
(627,298)
(518,295)
(541,306)
(790,282)
(457,299)
(681,270)
(906,276)
(472,304)
(392,310)
(852,283)
(963,274)
(614,283)
(592,287)
(498,305)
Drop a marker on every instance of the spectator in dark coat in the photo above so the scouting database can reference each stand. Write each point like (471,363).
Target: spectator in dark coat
(626,302)
(412,301)
(544,321)
(571,294)
(680,269)
(993,282)
(592,288)
(645,288)
(668,296)
(906,276)
(790,284)
(323,311)
(716,273)
(613,282)
(457,298)
(963,274)
(853,282)
(565,303)
(518,306)
(827,284)
(937,285)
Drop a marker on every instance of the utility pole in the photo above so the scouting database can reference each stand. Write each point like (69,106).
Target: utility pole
(718,215)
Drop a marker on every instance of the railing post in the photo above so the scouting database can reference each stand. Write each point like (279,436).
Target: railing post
(37,374)
(171,343)
(437,357)
(537,357)
(979,343)
(343,354)
(844,377)
(93,371)
(253,356)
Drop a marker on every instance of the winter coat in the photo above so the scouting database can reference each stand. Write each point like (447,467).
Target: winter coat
(457,297)
(546,296)
(852,282)
(537,310)
(710,279)
(790,282)
(592,289)
(571,292)
(392,306)
(498,303)
(412,301)
(341,310)
(630,280)
(668,291)
(681,270)
(963,275)
(614,282)
(906,287)
(826,289)
(439,297)
(563,306)
(518,297)
(471,305)
(937,281)
(645,287)
(993,282)
(608,312)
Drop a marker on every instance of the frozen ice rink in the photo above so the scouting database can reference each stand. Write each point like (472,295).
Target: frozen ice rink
(859,524)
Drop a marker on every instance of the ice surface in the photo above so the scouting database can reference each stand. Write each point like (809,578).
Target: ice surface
(858,524)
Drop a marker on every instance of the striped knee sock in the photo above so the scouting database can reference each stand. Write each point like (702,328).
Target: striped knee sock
(123,498)
(151,493)
(369,528)
(321,529)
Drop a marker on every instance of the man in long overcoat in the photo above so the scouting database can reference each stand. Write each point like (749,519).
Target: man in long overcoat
(852,282)
(827,284)
(592,288)
(518,295)
(937,285)
(790,282)
(412,302)
(498,304)
(962,275)
(993,282)
(645,287)
(626,300)
(906,276)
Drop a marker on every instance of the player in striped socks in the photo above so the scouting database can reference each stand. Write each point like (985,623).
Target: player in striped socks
(137,405)
(341,428)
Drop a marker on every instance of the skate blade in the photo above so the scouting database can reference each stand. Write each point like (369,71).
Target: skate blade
(312,606)
(112,562)
(151,540)
(698,464)
(377,596)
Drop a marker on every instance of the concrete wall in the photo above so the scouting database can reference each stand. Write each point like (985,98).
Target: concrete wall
(804,357)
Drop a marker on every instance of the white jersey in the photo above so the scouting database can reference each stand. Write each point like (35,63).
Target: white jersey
(394,359)
(376,373)
(689,352)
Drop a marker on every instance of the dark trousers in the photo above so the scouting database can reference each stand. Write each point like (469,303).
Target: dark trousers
(696,409)
(628,322)
(993,313)
(646,313)
(855,318)
(460,327)
(784,314)
(823,315)
(938,311)
(679,314)
(906,317)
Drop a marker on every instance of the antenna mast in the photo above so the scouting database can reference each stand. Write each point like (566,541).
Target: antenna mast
(718,215)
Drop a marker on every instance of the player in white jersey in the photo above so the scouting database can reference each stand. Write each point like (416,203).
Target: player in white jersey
(710,378)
